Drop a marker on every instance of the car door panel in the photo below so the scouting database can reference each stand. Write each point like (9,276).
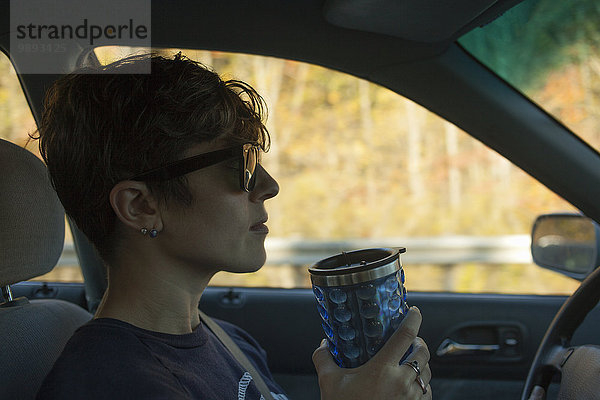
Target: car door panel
(287,325)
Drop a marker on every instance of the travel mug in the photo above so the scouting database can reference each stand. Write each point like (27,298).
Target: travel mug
(361,299)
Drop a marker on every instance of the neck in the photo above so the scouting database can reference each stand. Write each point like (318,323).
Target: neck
(155,298)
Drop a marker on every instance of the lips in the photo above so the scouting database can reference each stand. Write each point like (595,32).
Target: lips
(260,226)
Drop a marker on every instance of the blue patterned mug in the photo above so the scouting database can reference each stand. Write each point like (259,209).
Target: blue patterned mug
(361,299)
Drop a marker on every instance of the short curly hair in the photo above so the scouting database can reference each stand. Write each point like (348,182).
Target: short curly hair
(101,125)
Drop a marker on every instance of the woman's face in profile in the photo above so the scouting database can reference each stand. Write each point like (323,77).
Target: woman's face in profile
(218,231)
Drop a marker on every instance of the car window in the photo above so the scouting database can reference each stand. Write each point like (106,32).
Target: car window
(549,50)
(16,120)
(16,123)
(360,166)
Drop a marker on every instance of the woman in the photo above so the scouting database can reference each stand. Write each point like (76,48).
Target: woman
(161,173)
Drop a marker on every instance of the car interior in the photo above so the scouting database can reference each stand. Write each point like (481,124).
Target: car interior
(410,48)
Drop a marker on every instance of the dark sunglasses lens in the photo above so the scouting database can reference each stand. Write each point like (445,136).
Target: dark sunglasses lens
(250,162)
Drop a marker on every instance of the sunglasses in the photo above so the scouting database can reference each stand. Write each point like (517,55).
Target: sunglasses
(247,153)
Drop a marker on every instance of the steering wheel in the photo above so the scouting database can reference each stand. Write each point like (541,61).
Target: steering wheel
(555,349)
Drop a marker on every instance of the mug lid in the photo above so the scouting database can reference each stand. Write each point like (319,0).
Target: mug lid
(356,261)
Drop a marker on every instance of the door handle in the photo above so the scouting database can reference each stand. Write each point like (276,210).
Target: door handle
(451,348)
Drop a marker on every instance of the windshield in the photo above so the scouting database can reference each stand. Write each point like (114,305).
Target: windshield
(550,51)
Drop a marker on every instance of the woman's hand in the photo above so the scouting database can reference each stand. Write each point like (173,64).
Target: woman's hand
(382,377)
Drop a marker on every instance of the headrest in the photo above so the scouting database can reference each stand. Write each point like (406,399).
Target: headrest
(32,221)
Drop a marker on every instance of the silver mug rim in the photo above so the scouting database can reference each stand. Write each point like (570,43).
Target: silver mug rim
(359,274)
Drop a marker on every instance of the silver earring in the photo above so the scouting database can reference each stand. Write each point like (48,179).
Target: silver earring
(144,231)
(153,233)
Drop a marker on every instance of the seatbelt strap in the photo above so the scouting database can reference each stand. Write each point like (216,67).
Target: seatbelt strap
(238,354)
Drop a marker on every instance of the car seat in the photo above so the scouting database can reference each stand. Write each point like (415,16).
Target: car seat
(32,332)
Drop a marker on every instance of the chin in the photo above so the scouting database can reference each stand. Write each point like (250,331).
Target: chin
(254,265)
(254,269)
(251,261)
(248,265)
(243,269)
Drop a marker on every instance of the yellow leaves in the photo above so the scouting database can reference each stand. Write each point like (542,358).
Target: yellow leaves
(563,93)
(343,163)
(333,97)
(4,96)
(16,120)
(572,94)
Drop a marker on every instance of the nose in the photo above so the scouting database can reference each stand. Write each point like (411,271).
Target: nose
(266,186)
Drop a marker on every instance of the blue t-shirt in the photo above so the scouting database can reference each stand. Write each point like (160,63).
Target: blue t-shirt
(111,359)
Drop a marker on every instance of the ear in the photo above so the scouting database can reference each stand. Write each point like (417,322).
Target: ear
(135,206)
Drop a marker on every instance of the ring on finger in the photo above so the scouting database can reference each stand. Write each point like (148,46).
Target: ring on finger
(421,383)
(415,366)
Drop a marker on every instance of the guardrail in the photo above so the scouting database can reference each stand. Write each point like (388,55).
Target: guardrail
(441,250)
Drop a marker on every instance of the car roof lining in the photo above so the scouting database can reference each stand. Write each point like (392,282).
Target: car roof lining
(428,21)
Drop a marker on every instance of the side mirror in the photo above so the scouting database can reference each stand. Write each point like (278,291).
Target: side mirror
(567,243)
